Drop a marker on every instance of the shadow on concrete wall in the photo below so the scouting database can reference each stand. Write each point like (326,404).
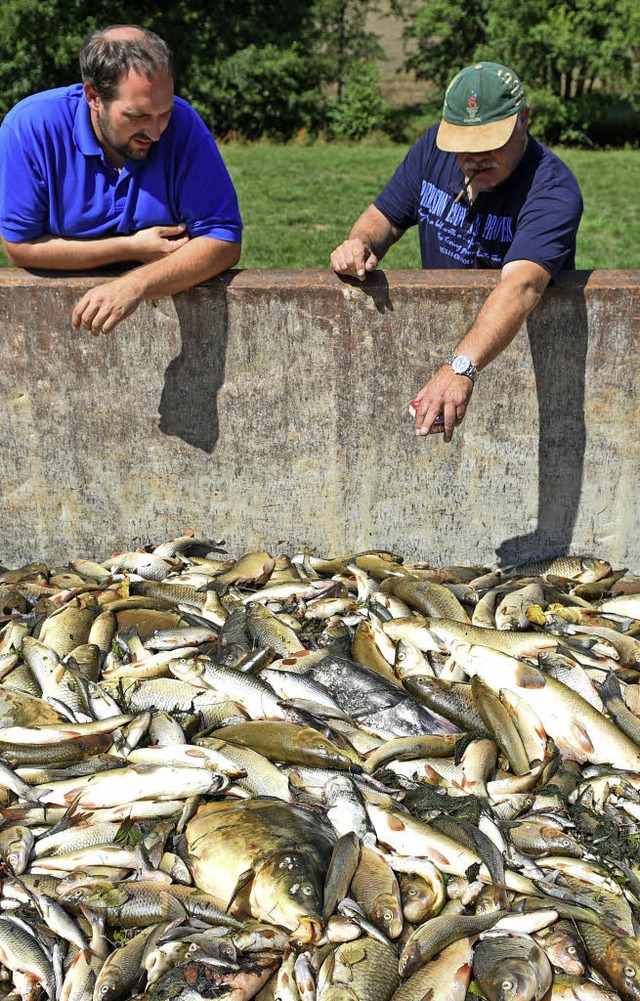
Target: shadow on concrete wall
(189,403)
(376,286)
(560,385)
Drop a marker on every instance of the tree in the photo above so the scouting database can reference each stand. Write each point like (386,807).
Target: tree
(445,35)
(579,59)
(250,68)
(340,38)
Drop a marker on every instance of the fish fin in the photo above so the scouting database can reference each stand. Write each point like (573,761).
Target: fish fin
(610,688)
(243,880)
(529,677)
(575,742)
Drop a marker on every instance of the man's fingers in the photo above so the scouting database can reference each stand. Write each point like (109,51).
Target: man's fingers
(450,420)
(427,421)
(79,310)
(171,245)
(353,258)
(99,322)
(102,308)
(172,230)
(84,313)
(359,261)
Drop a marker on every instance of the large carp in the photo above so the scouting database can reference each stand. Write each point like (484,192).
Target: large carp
(276,852)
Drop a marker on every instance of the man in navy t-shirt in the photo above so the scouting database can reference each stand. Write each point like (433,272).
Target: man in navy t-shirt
(484,194)
(113,170)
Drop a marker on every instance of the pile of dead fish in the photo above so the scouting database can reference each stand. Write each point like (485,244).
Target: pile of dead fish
(298,778)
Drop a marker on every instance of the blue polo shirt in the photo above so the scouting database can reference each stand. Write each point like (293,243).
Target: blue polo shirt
(532,216)
(54,178)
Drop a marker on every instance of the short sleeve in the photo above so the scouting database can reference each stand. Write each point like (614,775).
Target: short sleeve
(207,199)
(399,200)
(24,199)
(547,225)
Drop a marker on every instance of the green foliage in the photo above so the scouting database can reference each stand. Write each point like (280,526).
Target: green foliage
(274,69)
(590,120)
(446,35)
(249,68)
(259,92)
(340,39)
(576,57)
(359,109)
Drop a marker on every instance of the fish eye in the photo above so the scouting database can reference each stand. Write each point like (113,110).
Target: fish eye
(507,985)
(387,915)
(411,892)
(307,890)
(571,949)
(630,971)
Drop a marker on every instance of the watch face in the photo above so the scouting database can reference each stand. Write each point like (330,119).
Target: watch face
(460,364)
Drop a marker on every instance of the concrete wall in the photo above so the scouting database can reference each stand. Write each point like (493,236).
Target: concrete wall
(270,408)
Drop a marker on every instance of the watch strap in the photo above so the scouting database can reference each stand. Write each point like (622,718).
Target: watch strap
(462,365)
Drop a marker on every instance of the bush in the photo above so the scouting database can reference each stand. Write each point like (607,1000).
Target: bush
(359,109)
(591,120)
(260,92)
(609,121)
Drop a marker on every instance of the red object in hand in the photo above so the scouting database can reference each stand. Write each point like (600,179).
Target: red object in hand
(438,424)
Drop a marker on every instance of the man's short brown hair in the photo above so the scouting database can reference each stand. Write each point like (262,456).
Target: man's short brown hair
(104,61)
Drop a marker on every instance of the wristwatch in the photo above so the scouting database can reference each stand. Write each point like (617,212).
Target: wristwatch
(462,365)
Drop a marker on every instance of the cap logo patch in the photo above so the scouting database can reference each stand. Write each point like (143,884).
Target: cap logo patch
(471,111)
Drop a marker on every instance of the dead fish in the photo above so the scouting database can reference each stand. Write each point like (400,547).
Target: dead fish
(283,848)
(375,702)
(511,968)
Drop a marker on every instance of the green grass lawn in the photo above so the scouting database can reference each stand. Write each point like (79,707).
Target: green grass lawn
(299,201)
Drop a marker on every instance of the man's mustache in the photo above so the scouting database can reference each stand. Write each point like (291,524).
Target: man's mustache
(475,166)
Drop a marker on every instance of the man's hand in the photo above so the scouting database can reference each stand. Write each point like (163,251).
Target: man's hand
(447,394)
(156,242)
(353,258)
(194,261)
(106,305)
(369,239)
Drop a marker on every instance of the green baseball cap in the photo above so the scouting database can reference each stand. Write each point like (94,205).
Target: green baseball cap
(481,106)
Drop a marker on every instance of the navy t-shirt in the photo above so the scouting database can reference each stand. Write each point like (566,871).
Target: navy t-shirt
(532,216)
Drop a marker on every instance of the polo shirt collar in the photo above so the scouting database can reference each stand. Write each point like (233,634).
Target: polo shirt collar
(85,138)
(83,134)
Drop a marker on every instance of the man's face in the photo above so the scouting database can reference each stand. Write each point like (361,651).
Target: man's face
(491,168)
(129,125)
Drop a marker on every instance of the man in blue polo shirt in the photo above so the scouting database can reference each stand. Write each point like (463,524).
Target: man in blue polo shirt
(117,170)
(484,194)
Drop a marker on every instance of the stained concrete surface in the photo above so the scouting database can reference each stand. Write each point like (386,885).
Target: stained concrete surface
(270,409)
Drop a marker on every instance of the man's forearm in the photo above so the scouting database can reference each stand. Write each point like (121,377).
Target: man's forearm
(375,231)
(105,305)
(199,259)
(504,311)
(521,286)
(56,253)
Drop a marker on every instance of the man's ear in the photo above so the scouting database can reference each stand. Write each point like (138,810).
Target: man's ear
(93,97)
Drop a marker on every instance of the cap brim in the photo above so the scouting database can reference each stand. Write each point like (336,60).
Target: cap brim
(475,138)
